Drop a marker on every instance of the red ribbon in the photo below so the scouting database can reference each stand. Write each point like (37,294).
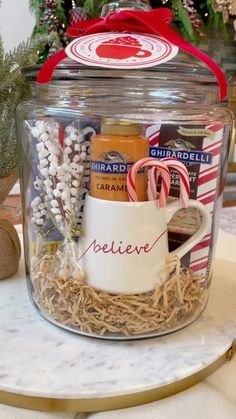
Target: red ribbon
(154,22)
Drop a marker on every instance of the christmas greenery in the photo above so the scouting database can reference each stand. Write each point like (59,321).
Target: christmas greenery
(13,90)
(94,7)
(194,19)
(51,17)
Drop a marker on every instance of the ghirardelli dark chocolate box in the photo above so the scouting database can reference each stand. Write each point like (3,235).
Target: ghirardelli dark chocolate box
(199,147)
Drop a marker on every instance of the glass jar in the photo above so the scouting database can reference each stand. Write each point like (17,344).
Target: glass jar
(97,264)
(232,151)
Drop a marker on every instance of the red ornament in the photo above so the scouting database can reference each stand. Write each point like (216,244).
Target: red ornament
(77,15)
(57,20)
(51,4)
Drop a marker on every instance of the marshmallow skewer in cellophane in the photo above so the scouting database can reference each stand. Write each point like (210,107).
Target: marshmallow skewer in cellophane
(59,184)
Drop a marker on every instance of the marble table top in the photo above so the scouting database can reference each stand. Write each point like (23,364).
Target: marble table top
(228,220)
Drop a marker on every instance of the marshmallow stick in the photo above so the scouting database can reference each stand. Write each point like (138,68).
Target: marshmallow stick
(48,153)
(60,178)
(60,170)
(75,156)
(77,149)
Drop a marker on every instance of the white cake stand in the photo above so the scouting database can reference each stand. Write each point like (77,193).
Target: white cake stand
(45,368)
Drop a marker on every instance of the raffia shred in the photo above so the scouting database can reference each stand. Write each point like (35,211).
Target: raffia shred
(78,305)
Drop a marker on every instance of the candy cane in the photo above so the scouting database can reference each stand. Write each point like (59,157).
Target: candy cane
(152,194)
(207,185)
(183,175)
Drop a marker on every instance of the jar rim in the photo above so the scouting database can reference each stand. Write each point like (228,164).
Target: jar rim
(182,65)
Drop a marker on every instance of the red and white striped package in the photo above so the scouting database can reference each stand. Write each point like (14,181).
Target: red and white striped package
(202,148)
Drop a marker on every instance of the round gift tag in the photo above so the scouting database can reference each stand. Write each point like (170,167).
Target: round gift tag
(116,50)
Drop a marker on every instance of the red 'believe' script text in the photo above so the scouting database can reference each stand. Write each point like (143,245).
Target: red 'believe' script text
(121,249)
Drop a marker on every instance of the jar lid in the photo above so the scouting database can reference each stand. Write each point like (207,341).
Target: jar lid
(117,6)
(181,69)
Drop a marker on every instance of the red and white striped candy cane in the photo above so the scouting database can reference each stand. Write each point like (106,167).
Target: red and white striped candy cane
(152,194)
(183,175)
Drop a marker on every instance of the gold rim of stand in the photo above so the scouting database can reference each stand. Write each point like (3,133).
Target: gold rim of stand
(112,403)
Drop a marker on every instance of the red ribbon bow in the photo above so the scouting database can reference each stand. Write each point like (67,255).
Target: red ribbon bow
(154,22)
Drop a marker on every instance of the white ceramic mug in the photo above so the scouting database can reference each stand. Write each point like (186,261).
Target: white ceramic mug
(124,245)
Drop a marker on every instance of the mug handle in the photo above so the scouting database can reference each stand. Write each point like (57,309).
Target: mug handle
(204,229)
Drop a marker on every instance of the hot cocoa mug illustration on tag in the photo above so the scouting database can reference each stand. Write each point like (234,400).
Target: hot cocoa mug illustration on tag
(122,48)
(124,245)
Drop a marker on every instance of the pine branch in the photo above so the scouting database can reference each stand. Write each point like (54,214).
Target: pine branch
(93,6)
(89,7)
(184,19)
(61,13)
(34,7)
(13,90)
(216,22)
(49,20)
(1,50)
(24,54)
